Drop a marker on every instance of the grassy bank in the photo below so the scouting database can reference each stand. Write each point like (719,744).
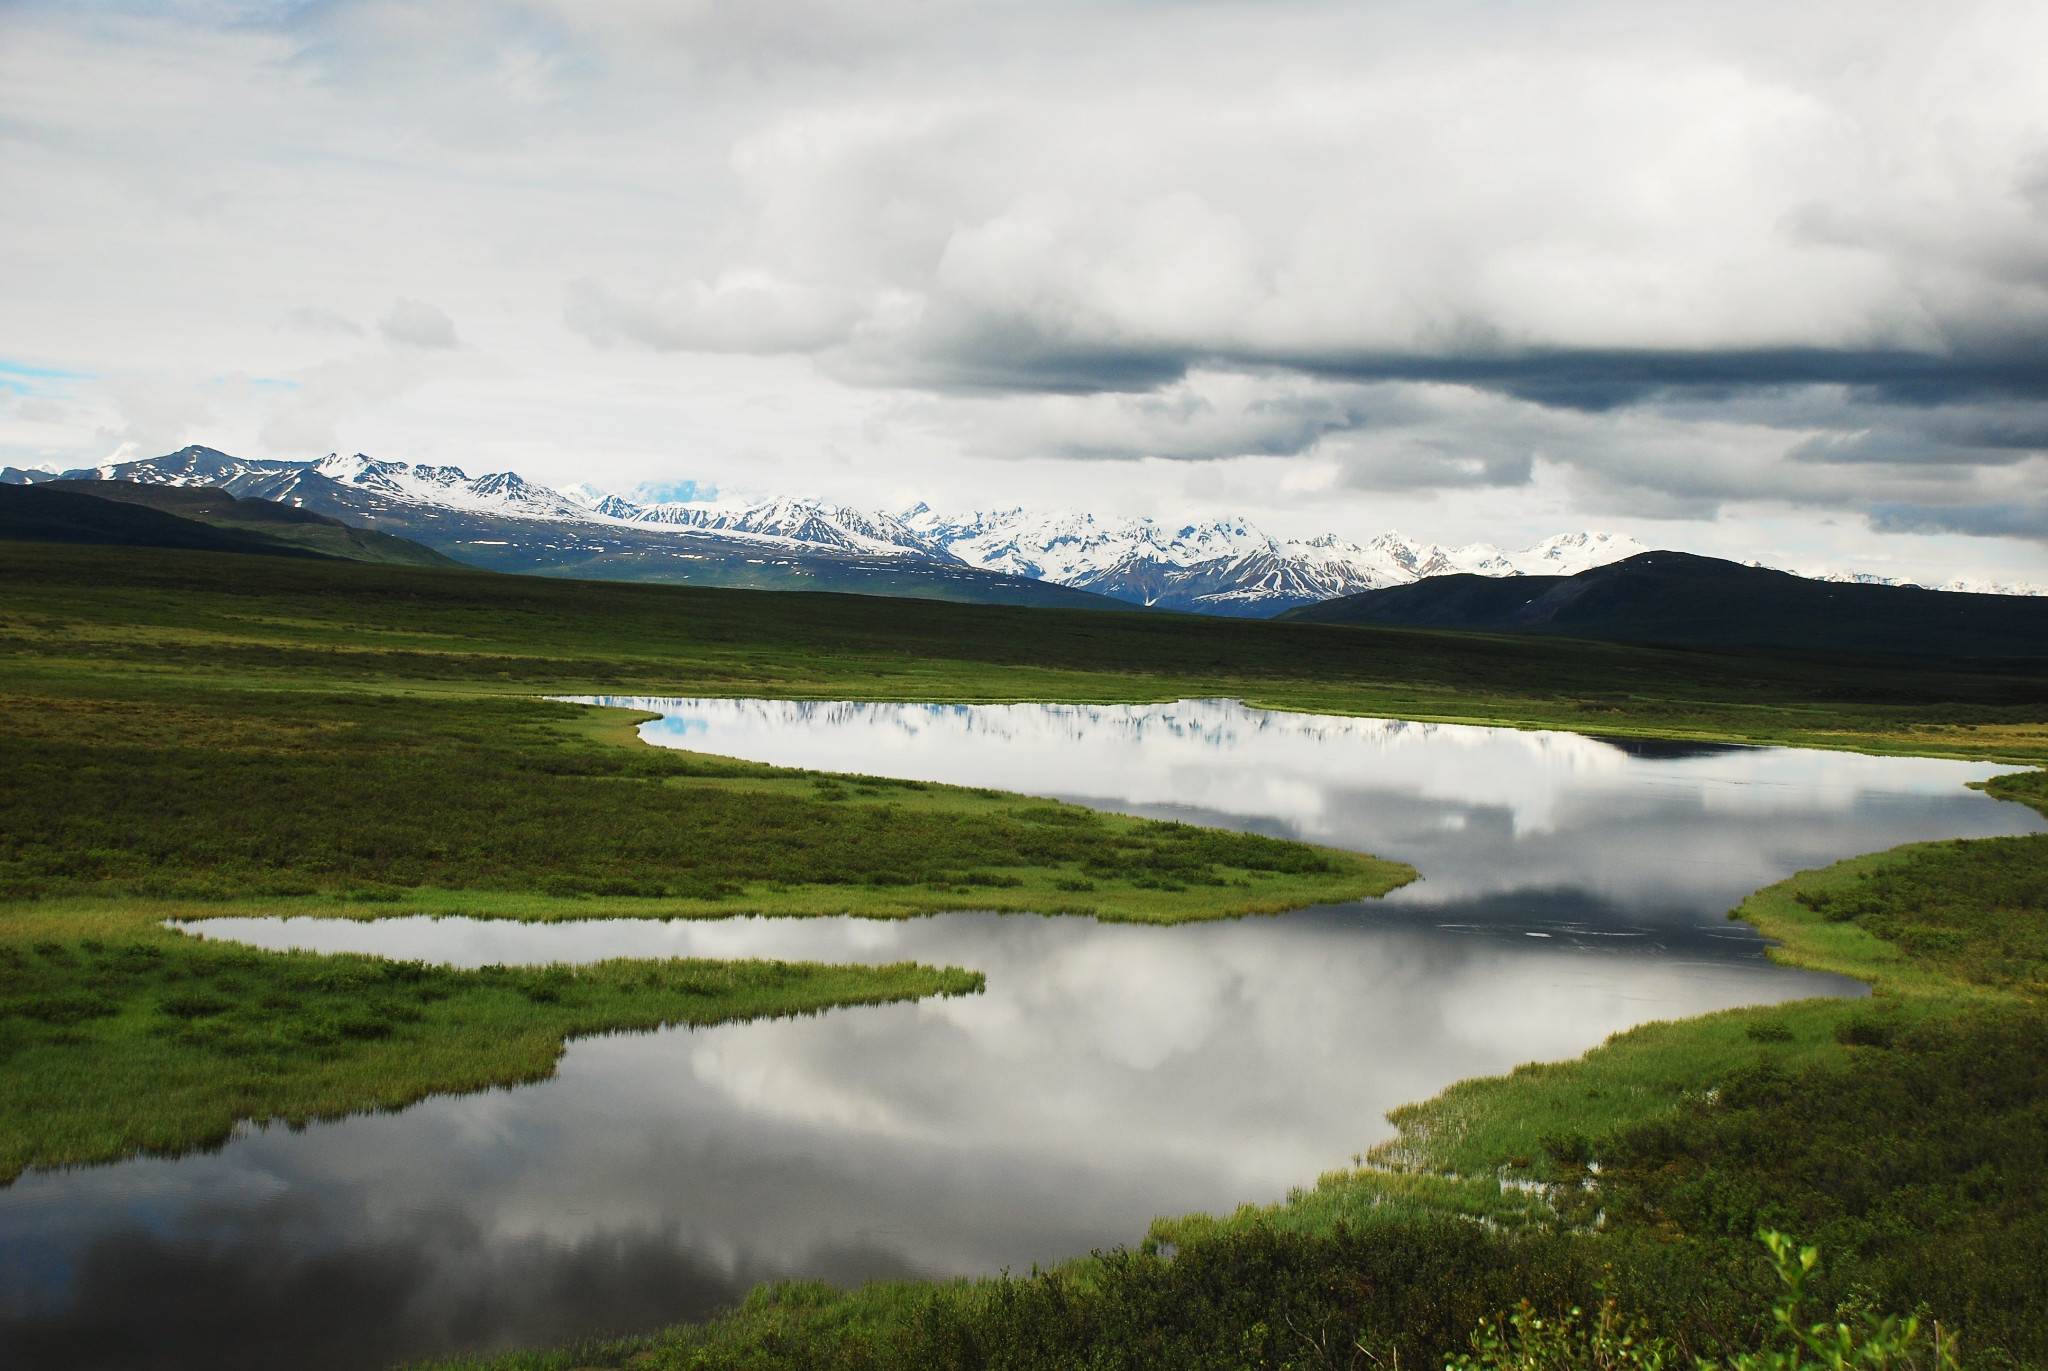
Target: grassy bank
(1906,1134)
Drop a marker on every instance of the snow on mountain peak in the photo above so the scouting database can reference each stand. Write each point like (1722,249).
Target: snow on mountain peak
(1568,554)
(449,487)
(1226,565)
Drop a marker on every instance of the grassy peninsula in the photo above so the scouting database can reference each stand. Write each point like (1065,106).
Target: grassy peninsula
(122,1036)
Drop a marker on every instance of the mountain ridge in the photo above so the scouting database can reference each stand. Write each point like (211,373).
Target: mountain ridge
(501,520)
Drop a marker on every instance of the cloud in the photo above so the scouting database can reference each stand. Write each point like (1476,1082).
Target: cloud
(1696,455)
(415,323)
(2028,520)
(743,312)
(156,413)
(306,417)
(39,411)
(1582,225)
(318,319)
(1691,272)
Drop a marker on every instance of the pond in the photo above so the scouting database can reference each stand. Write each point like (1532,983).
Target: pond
(1109,1073)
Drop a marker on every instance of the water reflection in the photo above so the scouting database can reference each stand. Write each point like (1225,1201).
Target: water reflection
(1108,1074)
(1642,831)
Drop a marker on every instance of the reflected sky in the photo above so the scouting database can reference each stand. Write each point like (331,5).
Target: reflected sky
(1632,831)
(1109,1073)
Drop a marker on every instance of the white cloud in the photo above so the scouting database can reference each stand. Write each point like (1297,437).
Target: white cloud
(316,319)
(742,312)
(156,413)
(415,323)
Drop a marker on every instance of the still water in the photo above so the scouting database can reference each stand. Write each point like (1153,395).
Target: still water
(1571,888)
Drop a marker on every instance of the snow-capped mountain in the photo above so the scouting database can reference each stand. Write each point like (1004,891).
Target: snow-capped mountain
(1228,564)
(503,493)
(811,522)
(1217,566)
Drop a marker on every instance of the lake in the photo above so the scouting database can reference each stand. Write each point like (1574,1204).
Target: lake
(1571,888)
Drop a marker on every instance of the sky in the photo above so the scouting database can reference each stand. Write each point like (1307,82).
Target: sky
(1765,280)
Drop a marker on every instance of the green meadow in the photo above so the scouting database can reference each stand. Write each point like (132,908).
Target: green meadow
(191,734)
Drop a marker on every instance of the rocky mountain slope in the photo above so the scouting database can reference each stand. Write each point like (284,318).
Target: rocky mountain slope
(500,520)
(1228,565)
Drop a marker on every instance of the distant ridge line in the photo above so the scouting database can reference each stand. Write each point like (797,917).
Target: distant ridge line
(1218,566)
(1679,599)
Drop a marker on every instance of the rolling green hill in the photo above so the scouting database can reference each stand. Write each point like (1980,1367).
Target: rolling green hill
(35,514)
(136,515)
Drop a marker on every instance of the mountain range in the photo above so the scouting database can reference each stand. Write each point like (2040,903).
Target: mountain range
(504,522)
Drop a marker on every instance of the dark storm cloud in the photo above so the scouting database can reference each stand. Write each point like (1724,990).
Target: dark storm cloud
(1590,379)
(2017,519)
(1608,378)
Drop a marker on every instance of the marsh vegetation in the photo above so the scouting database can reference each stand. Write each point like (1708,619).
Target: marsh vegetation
(251,621)
(1903,1135)
(189,733)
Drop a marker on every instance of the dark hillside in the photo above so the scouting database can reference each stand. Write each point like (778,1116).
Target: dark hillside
(1680,599)
(125,514)
(37,514)
(268,519)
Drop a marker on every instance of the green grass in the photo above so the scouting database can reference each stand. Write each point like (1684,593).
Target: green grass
(1917,1159)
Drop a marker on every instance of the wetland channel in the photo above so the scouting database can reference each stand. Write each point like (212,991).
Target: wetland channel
(1571,888)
